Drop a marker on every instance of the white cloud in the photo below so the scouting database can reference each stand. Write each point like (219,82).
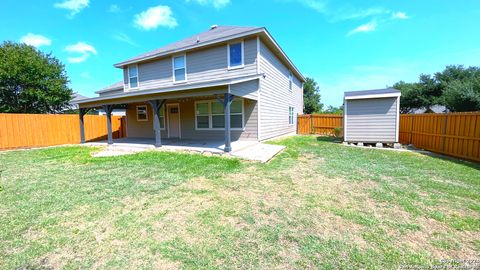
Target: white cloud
(400,15)
(124,38)
(154,17)
(218,4)
(364,28)
(317,5)
(82,49)
(114,8)
(343,15)
(35,40)
(74,6)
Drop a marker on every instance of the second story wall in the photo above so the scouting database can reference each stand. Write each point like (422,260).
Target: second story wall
(201,65)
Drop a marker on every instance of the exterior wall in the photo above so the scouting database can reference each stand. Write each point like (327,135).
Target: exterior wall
(144,129)
(371,120)
(202,65)
(275,97)
(246,89)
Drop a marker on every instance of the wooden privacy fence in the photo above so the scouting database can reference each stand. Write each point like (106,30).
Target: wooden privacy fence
(454,134)
(323,124)
(34,130)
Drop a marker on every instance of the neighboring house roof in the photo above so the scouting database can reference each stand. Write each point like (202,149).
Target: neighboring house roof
(187,86)
(113,87)
(377,93)
(77,96)
(214,35)
(433,109)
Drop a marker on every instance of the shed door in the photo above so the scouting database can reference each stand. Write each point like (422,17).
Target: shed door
(371,120)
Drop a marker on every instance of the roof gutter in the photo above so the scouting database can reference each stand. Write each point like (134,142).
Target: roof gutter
(374,96)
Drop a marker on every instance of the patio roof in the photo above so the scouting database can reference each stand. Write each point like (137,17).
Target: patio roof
(177,91)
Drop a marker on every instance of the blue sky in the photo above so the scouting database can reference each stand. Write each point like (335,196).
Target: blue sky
(344,45)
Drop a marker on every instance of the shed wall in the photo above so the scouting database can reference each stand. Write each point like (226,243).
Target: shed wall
(371,120)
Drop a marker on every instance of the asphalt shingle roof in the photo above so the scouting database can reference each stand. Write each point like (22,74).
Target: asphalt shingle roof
(371,92)
(198,39)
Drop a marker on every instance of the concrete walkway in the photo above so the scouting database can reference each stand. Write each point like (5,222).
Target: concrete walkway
(249,150)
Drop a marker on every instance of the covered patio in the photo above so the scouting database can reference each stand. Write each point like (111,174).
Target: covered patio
(197,137)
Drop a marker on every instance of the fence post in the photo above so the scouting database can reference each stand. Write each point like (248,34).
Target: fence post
(411,129)
(445,132)
(311,124)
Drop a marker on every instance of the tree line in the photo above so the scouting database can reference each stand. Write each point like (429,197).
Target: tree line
(456,87)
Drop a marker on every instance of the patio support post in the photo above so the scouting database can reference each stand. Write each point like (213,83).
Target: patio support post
(227,100)
(108,110)
(156,106)
(82,112)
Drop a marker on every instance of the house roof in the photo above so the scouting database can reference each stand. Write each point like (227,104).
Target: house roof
(212,36)
(76,97)
(183,87)
(376,93)
(113,87)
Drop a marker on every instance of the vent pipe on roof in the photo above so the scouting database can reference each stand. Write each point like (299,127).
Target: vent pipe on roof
(213,26)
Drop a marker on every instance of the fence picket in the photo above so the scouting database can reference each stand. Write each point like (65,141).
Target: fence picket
(454,134)
(34,130)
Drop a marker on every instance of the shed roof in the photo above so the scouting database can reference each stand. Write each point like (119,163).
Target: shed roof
(376,93)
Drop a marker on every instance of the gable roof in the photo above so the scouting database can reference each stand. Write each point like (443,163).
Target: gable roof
(212,36)
(112,87)
(376,93)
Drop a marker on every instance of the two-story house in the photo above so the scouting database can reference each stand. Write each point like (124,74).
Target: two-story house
(228,83)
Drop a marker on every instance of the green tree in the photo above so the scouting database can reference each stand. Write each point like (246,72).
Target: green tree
(411,98)
(31,81)
(456,87)
(311,97)
(333,110)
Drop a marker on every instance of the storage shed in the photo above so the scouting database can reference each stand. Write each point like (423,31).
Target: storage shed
(372,116)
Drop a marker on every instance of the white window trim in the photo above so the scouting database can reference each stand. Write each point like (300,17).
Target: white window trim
(173,68)
(243,55)
(210,123)
(146,113)
(138,77)
(293,115)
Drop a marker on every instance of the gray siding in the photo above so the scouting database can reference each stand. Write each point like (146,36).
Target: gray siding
(246,89)
(202,65)
(371,120)
(275,97)
(144,129)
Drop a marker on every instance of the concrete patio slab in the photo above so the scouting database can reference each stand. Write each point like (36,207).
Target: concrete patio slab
(260,152)
(250,150)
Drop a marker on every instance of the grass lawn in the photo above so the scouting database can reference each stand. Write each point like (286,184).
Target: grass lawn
(319,204)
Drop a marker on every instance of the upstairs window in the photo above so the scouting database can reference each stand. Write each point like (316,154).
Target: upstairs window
(235,55)
(290,80)
(290,116)
(133,76)
(179,69)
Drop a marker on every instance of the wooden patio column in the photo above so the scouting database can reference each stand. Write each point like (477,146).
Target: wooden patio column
(156,106)
(82,112)
(108,110)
